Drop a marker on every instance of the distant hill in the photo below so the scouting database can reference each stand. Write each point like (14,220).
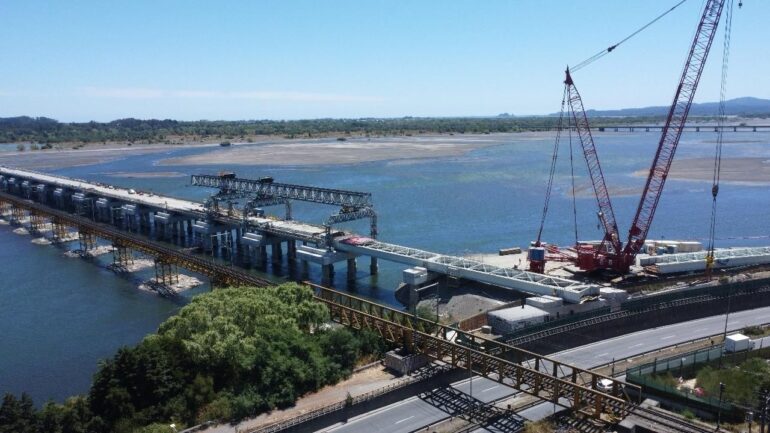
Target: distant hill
(745,106)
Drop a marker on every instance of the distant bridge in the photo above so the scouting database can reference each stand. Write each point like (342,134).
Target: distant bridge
(691,128)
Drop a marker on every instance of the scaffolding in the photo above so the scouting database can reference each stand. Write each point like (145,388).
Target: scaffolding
(166,273)
(122,256)
(37,222)
(59,230)
(87,240)
(17,214)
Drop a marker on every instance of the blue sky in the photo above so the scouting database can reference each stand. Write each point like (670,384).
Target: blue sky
(187,59)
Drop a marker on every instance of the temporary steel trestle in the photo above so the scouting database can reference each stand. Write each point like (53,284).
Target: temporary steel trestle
(86,239)
(36,222)
(546,378)
(526,371)
(223,275)
(122,256)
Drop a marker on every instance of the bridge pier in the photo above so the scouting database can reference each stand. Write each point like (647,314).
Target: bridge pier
(36,222)
(17,215)
(86,240)
(351,268)
(327,274)
(59,230)
(122,256)
(276,254)
(5,209)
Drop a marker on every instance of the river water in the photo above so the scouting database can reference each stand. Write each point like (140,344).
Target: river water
(60,315)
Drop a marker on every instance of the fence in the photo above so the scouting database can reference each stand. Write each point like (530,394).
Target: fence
(687,363)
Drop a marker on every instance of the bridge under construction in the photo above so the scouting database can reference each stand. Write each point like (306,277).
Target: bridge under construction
(244,235)
(565,385)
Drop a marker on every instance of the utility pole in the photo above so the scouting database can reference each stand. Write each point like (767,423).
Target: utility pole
(763,417)
(727,318)
(719,412)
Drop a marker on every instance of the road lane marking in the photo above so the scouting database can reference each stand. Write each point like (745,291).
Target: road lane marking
(490,389)
(667,337)
(405,419)
(636,345)
(602,354)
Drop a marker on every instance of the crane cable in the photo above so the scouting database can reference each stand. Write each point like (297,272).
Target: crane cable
(720,136)
(608,50)
(572,169)
(553,166)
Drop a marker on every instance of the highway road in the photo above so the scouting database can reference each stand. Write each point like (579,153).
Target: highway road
(418,412)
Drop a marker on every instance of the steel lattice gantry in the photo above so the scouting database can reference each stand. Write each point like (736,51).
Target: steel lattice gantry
(353,205)
(288,191)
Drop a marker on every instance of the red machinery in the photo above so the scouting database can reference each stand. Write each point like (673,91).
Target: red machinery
(611,253)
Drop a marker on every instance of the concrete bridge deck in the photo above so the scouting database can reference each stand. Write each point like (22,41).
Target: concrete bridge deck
(258,233)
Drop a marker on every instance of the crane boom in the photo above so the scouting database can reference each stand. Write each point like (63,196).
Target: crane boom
(672,131)
(606,214)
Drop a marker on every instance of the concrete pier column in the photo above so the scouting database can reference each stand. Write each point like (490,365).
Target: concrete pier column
(327,274)
(240,251)
(262,257)
(214,237)
(291,250)
(277,253)
(146,222)
(351,269)
(373,266)
(188,235)
(414,298)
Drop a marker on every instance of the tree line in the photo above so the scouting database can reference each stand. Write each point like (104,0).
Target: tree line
(46,131)
(229,354)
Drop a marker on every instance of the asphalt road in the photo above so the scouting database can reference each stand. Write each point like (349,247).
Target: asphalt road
(420,411)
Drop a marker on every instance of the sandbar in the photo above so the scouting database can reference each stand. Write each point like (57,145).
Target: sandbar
(334,152)
(752,170)
(52,159)
(145,175)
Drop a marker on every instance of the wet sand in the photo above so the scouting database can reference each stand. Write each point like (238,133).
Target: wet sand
(53,159)
(741,170)
(145,175)
(336,152)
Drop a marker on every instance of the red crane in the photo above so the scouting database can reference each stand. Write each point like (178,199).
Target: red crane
(611,254)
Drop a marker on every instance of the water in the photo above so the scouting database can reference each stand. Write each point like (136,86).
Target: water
(62,314)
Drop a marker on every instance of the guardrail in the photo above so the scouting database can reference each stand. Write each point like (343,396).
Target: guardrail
(341,405)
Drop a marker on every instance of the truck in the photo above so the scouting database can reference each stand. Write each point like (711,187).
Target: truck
(737,343)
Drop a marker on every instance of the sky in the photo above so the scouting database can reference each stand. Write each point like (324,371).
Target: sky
(83,60)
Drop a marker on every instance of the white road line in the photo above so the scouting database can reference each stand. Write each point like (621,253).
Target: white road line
(405,419)
(636,345)
(700,329)
(667,337)
(490,389)
(602,354)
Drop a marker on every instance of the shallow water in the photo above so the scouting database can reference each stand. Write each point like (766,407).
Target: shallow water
(61,315)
